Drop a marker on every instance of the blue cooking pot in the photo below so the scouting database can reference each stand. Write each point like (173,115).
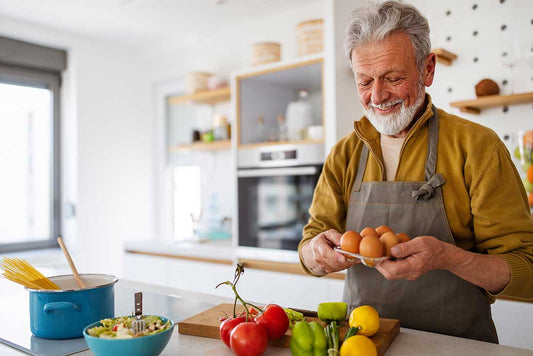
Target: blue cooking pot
(64,313)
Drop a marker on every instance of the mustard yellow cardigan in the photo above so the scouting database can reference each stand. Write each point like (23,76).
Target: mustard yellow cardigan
(484,197)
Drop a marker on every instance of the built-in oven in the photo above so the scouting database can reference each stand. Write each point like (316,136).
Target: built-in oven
(275,191)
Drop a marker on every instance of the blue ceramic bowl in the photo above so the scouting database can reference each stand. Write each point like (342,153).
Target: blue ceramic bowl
(150,345)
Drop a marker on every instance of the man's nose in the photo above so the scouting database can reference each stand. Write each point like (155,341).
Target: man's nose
(379,93)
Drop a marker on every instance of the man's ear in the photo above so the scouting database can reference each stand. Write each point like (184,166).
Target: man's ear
(429,69)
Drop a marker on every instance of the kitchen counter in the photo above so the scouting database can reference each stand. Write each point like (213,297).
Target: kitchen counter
(224,252)
(216,250)
(180,304)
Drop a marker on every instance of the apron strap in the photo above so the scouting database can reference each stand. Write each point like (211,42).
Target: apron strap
(361,169)
(433,180)
(427,191)
(433,140)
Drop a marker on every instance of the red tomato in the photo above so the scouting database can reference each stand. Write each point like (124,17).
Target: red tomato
(274,320)
(227,326)
(249,339)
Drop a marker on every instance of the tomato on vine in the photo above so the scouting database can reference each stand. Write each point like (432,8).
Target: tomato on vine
(249,339)
(274,320)
(227,326)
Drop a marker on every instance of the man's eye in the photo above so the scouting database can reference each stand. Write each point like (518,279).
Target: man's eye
(364,83)
(393,79)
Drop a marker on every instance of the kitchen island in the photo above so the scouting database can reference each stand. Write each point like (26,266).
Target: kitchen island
(181,304)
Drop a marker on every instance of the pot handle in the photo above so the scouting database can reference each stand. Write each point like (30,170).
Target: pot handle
(48,307)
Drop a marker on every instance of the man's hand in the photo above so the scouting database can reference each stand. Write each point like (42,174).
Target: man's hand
(416,257)
(319,256)
(427,253)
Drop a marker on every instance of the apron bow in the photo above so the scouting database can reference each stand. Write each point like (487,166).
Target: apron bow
(427,191)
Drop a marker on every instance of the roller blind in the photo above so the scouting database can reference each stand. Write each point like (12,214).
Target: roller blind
(24,54)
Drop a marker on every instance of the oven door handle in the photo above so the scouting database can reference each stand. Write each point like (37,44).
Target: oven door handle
(272,172)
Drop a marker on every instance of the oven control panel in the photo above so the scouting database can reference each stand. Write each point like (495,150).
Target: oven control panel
(278,155)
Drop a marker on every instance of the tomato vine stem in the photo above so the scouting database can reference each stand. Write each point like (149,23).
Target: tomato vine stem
(239,270)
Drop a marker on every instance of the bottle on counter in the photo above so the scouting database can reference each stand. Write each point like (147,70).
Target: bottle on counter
(299,116)
(262,134)
(221,129)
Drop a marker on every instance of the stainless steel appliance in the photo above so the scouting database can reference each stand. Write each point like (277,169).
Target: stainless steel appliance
(275,190)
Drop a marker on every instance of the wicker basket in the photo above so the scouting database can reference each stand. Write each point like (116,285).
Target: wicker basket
(265,52)
(310,37)
(196,81)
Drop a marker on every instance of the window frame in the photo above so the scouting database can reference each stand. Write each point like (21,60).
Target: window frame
(50,80)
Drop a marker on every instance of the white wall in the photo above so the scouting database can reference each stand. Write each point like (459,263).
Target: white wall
(455,32)
(225,52)
(230,49)
(107,145)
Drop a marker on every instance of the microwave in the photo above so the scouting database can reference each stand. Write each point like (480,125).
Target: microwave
(275,186)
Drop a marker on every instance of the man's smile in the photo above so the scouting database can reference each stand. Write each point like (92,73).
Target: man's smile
(386,108)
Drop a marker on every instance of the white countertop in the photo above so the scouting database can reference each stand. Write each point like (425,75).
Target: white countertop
(216,249)
(180,304)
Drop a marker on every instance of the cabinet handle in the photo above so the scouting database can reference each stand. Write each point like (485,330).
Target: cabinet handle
(272,172)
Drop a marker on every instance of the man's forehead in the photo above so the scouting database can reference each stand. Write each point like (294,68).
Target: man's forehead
(394,53)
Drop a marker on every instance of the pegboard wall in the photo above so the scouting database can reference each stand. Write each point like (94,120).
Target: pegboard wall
(492,39)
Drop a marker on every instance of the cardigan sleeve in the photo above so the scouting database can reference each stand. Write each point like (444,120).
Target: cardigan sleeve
(502,222)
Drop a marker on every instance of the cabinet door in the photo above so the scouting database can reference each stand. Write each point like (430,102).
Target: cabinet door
(181,274)
(288,289)
(513,323)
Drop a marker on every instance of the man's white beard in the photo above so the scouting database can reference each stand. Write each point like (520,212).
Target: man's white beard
(393,123)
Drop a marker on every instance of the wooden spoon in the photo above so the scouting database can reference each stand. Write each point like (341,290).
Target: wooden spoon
(70,262)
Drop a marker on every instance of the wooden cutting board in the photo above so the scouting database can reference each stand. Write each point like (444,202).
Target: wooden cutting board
(207,324)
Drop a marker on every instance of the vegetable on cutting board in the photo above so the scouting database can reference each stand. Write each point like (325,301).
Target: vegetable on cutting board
(308,339)
(332,313)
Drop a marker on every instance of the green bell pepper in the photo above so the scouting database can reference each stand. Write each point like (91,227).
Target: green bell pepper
(308,339)
(332,311)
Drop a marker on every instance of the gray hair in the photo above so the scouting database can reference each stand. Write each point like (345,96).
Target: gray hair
(376,21)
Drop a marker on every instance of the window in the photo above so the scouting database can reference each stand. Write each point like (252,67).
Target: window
(29,132)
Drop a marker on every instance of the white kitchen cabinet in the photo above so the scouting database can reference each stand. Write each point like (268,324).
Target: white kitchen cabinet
(179,273)
(288,289)
(255,285)
(513,323)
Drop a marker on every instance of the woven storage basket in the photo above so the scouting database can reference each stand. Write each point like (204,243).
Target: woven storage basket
(196,81)
(265,52)
(310,37)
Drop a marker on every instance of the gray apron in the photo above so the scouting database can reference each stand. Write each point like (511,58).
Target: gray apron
(438,301)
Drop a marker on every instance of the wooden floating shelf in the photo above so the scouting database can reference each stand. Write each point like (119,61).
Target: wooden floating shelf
(444,56)
(209,97)
(474,106)
(202,146)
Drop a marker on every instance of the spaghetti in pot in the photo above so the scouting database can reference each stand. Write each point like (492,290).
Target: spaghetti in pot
(21,272)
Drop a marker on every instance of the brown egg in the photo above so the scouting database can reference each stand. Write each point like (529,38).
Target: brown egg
(383,229)
(402,237)
(389,239)
(370,246)
(350,241)
(368,231)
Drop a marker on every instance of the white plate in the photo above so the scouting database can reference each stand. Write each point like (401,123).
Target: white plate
(367,261)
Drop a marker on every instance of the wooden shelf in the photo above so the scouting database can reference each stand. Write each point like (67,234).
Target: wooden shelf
(210,97)
(201,146)
(444,56)
(474,106)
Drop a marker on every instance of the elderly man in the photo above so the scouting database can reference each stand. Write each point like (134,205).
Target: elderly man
(445,181)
